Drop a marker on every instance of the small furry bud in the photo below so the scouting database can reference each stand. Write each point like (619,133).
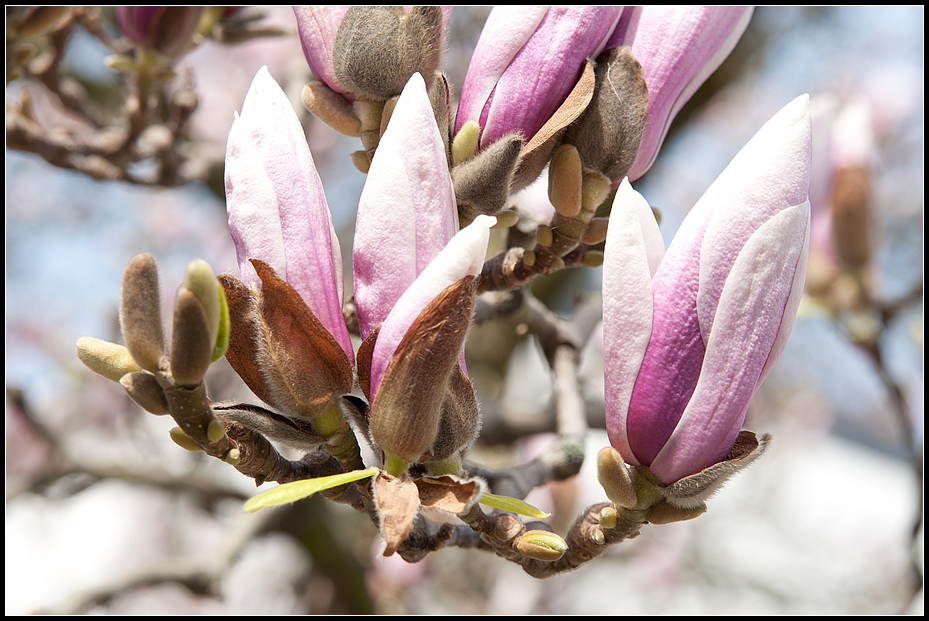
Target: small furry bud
(378,48)
(331,108)
(564,181)
(143,388)
(541,545)
(110,360)
(609,133)
(140,312)
(191,344)
(482,183)
(615,478)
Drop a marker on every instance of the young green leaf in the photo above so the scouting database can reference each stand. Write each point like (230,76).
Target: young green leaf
(512,504)
(297,490)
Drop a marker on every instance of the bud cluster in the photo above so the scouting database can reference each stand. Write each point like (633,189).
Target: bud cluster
(584,92)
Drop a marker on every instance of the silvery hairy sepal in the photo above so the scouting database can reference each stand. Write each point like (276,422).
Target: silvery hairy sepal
(608,134)
(378,48)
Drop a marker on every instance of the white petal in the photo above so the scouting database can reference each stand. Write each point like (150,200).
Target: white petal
(627,305)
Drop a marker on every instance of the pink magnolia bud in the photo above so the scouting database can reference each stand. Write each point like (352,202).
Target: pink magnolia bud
(167,29)
(407,210)
(277,209)
(371,51)
(679,47)
(687,344)
(317,26)
(526,62)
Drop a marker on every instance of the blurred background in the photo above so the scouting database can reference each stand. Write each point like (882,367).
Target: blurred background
(104,514)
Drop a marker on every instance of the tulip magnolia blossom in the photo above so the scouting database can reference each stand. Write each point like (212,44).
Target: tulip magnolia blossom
(277,209)
(526,62)
(679,48)
(462,256)
(406,213)
(689,337)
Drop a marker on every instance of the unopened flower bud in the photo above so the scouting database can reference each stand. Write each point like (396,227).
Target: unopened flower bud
(168,29)
(199,279)
(613,475)
(596,231)
(33,21)
(593,258)
(608,517)
(331,108)
(465,144)
(541,545)
(543,235)
(378,48)
(143,388)
(191,343)
(140,312)
(406,411)
(183,440)
(110,360)
(564,181)
(851,215)
(609,133)
(483,182)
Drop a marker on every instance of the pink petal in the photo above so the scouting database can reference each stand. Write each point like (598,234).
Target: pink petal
(277,207)
(407,211)
(463,256)
(627,305)
(751,314)
(526,62)
(317,26)
(679,48)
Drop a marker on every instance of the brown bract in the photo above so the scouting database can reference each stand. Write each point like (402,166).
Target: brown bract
(407,408)
(536,153)
(280,349)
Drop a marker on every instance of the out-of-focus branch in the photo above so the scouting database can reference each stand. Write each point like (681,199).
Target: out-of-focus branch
(142,139)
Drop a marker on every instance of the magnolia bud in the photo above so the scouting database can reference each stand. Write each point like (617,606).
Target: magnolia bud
(110,360)
(482,183)
(609,133)
(183,440)
(191,343)
(564,181)
(614,477)
(144,389)
(378,48)
(851,215)
(140,312)
(167,29)
(407,411)
(541,545)
(331,108)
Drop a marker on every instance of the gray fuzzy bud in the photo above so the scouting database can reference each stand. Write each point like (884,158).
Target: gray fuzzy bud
(483,182)
(378,48)
(140,312)
(609,133)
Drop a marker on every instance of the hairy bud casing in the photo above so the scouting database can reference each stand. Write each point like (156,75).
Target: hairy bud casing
(140,312)
(378,48)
